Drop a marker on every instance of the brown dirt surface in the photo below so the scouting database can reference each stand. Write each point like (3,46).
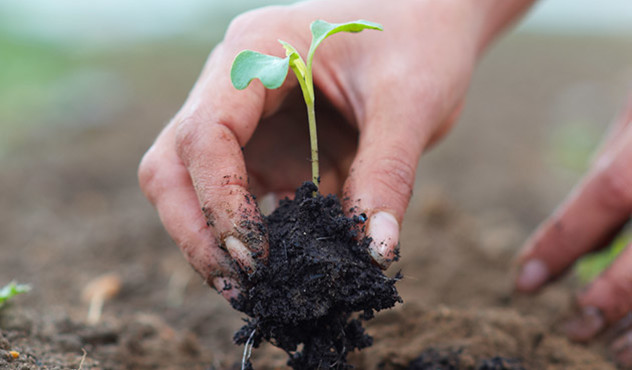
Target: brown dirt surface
(71,210)
(470,336)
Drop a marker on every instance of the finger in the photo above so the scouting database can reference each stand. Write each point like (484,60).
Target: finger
(269,202)
(214,125)
(382,175)
(621,349)
(606,300)
(617,129)
(587,219)
(167,185)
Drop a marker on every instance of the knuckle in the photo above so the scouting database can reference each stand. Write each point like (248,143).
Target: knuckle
(187,134)
(621,287)
(620,297)
(565,252)
(147,173)
(614,186)
(395,174)
(241,23)
(249,24)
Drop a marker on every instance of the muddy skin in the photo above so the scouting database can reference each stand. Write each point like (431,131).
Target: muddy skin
(317,276)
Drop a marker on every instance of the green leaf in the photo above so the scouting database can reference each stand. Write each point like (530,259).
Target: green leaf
(300,70)
(321,30)
(592,265)
(296,62)
(11,290)
(248,65)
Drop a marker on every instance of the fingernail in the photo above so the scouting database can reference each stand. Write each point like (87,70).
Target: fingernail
(227,287)
(623,343)
(268,203)
(532,275)
(240,253)
(586,325)
(384,230)
(621,350)
(624,358)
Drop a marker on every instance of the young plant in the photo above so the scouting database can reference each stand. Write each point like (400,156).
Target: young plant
(11,290)
(272,71)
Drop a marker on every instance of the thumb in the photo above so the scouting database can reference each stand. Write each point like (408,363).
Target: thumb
(382,176)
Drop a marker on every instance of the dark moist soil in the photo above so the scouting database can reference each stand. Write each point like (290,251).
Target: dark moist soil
(318,275)
(433,359)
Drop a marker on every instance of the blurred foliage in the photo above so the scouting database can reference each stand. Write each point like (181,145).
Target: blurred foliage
(589,267)
(24,67)
(11,290)
(572,144)
(27,70)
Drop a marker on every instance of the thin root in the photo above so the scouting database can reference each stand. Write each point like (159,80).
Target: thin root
(248,350)
(83,358)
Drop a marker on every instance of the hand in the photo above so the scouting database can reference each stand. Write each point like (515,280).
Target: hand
(384,98)
(588,219)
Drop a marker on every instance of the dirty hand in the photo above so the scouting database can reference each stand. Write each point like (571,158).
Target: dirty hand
(589,219)
(384,98)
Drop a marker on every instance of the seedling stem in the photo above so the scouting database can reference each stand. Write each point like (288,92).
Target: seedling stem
(313,136)
(272,71)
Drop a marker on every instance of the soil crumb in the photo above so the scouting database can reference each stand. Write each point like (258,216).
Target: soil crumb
(433,359)
(318,275)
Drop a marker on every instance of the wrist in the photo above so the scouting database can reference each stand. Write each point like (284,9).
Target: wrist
(481,21)
(495,16)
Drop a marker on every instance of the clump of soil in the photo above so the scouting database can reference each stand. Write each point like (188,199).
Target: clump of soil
(318,274)
(433,359)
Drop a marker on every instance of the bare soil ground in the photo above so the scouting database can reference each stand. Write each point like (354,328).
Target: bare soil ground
(70,210)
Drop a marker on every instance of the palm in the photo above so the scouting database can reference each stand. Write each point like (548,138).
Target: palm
(277,155)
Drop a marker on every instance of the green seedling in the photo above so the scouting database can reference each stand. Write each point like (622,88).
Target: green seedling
(591,266)
(272,71)
(11,290)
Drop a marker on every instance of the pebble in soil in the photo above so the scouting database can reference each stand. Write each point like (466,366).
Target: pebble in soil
(318,274)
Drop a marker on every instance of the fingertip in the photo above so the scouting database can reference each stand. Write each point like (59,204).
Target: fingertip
(383,230)
(268,203)
(586,325)
(621,349)
(532,275)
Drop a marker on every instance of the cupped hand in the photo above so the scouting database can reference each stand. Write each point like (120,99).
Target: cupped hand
(383,98)
(591,216)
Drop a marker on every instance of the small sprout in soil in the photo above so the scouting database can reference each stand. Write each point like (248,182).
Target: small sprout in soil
(11,290)
(272,71)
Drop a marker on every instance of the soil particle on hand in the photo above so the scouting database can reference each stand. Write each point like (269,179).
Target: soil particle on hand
(318,274)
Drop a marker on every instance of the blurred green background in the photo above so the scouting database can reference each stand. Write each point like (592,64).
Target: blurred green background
(64,63)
